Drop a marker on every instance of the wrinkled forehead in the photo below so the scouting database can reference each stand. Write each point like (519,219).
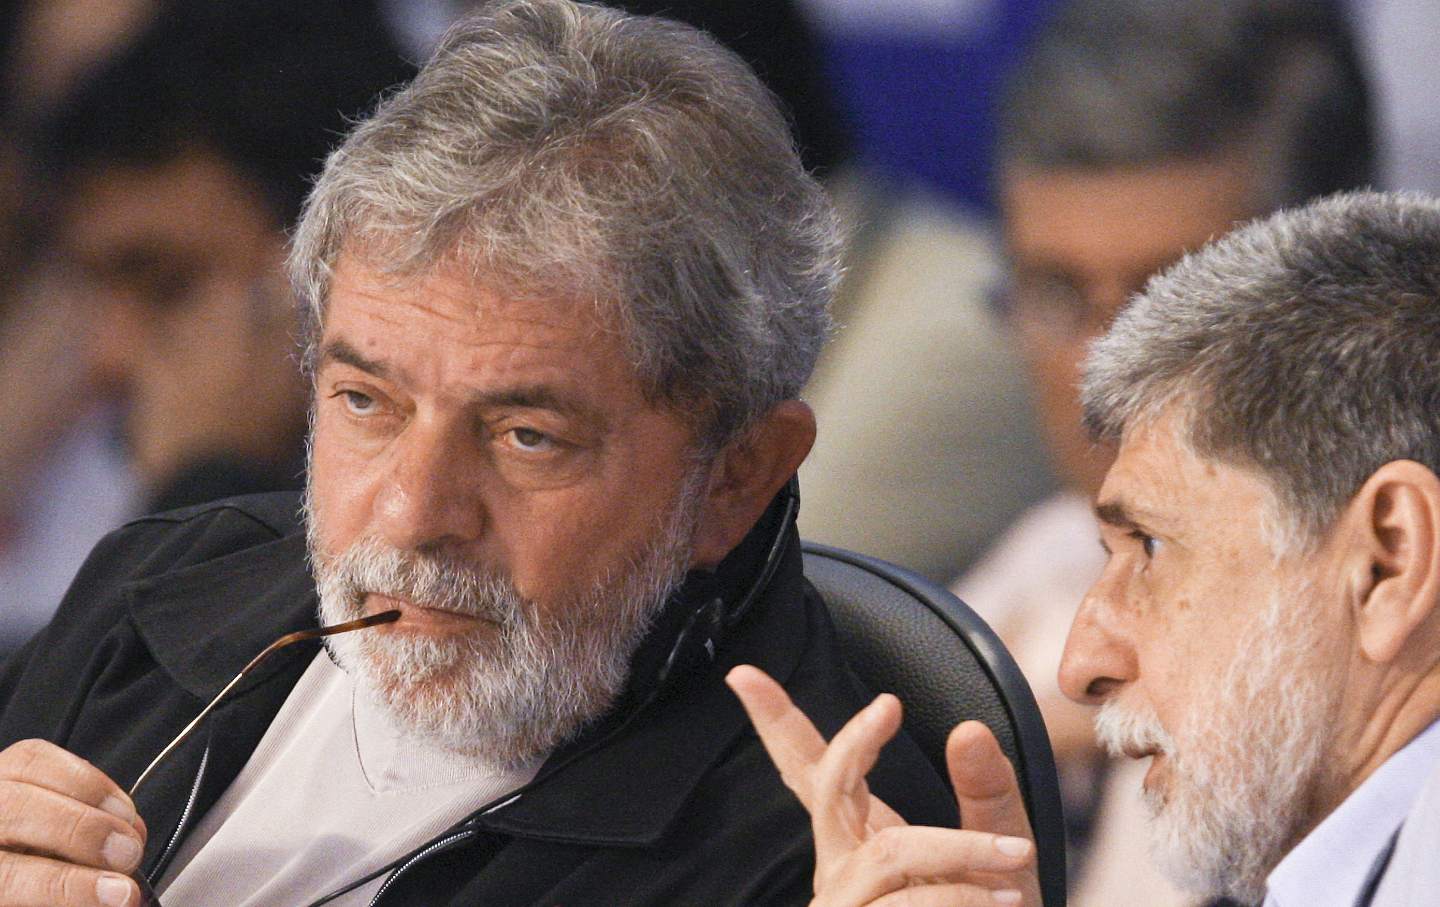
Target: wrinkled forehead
(471,281)
(468,297)
(1159,480)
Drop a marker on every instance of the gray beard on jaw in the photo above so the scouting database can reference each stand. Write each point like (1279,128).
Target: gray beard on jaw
(512,691)
(1246,764)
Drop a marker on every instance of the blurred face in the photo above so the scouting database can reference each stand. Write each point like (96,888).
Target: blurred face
(1213,658)
(180,266)
(1080,243)
(490,467)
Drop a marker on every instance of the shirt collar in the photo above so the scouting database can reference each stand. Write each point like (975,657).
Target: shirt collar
(1332,863)
(203,623)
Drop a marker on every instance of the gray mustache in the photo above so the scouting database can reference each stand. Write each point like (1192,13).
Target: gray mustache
(370,567)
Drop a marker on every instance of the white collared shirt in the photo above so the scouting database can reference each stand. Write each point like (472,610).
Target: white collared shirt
(333,791)
(1331,865)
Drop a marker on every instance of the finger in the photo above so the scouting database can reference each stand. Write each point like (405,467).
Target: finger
(840,797)
(32,881)
(901,856)
(39,821)
(984,781)
(957,894)
(43,764)
(792,741)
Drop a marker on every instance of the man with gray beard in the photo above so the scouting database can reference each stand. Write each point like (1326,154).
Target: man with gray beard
(561,293)
(1267,627)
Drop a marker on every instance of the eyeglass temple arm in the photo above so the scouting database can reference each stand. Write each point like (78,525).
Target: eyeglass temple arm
(384,617)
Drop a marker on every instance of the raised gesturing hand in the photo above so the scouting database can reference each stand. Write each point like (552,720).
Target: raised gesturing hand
(865,853)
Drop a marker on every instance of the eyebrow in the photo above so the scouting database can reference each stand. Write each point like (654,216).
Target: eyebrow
(345,354)
(1115,513)
(528,396)
(525,396)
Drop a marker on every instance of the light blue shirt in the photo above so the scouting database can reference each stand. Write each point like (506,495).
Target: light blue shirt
(1330,866)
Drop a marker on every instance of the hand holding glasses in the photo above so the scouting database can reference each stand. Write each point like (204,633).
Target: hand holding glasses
(71,833)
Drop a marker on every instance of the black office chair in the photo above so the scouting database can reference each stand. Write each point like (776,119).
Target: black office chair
(905,635)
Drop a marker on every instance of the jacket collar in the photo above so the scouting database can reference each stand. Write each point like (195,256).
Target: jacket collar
(205,622)
(623,782)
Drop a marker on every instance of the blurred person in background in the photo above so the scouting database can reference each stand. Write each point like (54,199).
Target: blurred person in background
(179,166)
(64,478)
(1134,132)
(174,169)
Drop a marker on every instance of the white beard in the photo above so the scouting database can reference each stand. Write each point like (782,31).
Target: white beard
(1247,761)
(526,682)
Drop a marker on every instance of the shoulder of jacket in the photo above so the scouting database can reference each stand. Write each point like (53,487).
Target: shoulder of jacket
(272,514)
(162,542)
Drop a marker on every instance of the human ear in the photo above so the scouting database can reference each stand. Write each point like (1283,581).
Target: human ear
(747,474)
(1396,518)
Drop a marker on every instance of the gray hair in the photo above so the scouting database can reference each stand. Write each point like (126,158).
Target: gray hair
(1305,346)
(560,150)
(1113,83)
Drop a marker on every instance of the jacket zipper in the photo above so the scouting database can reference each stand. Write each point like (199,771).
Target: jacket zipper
(442,844)
(170,845)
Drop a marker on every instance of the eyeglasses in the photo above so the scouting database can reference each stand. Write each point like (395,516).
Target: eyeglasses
(1051,306)
(148,897)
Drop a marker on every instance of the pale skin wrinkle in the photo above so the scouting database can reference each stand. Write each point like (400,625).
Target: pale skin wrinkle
(1188,567)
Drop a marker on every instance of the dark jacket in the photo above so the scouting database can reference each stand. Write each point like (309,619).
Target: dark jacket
(668,800)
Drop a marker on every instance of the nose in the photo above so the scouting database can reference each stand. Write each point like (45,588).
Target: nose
(1099,657)
(429,493)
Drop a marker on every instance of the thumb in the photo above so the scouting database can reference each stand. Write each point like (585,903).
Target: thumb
(984,780)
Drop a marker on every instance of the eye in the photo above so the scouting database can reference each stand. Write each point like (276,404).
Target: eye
(529,439)
(359,404)
(1148,543)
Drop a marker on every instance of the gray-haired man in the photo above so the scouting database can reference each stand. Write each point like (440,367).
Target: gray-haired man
(562,293)
(1133,132)
(1267,627)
